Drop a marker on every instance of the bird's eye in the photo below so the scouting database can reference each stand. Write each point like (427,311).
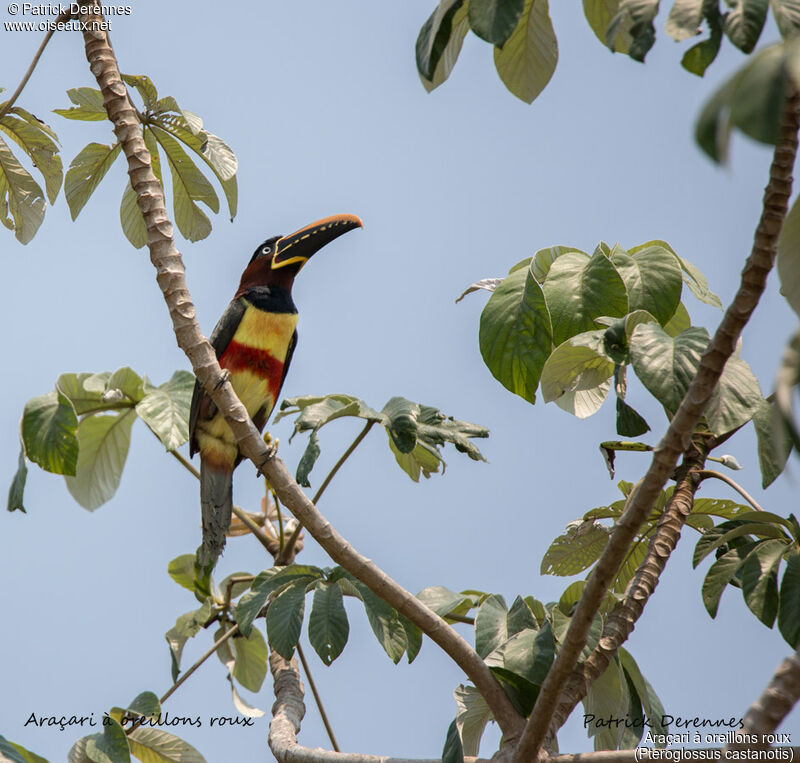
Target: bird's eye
(266,249)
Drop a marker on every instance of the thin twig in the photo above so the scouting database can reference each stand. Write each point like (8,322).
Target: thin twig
(286,551)
(706,473)
(24,81)
(317,699)
(217,644)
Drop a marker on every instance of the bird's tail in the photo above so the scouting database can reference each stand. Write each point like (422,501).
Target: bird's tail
(216,500)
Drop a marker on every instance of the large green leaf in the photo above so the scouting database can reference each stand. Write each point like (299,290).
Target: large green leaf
(49,431)
(578,289)
(491,624)
(744,22)
(16,753)
(578,549)
(285,618)
(443,601)
(384,621)
(157,746)
(528,59)
(495,20)
(328,628)
(471,717)
(787,16)
(789,608)
(736,399)
(651,704)
(577,373)
(652,278)
(145,87)
(760,579)
(515,333)
(165,409)
(130,218)
(527,654)
(452,752)
(634,17)
(599,14)
(684,19)
(608,697)
(186,626)
(110,746)
(88,105)
(85,172)
(665,364)
(449,56)
(721,573)
(38,141)
(435,37)
(103,448)
(250,653)
(700,56)
(20,195)
(789,257)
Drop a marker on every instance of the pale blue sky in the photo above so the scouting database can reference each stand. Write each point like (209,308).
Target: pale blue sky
(322,104)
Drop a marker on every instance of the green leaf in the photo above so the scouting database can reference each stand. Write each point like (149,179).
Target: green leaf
(634,17)
(651,704)
(629,422)
(130,218)
(126,381)
(308,459)
(608,697)
(34,138)
(515,334)
(77,753)
(736,398)
(528,654)
(744,22)
(181,570)
(146,703)
(713,128)
(88,105)
(521,617)
(700,56)
(495,20)
(726,532)
(541,261)
(384,621)
(436,40)
(694,279)
(413,638)
(250,653)
(721,573)
(491,625)
(576,550)
(85,172)
(443,601)
(757,103)
(599,14)
(684,19)
(471,718)
(145,87)
(20,195)
(104,441)
(49,432)
(285,618)
(328,628)
(652,279)
(157,746)
(165,409)
(579,365)
(789,608)
(528,59)
(186,626)
(16,753)
(665,364)
(189,185)
(679,322)
(760,579)
(87,399)
(578,289)
(789,257)
(787,16)
(17,488)
(111,746)
(452,751)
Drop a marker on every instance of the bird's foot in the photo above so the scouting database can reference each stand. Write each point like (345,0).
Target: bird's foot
(222,379)
(272,450)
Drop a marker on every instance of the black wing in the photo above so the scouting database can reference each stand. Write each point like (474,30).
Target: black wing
(202,405)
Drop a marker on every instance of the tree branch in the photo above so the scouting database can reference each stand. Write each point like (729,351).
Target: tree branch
(676,440)
(170,275)
(706,473)
(775,703)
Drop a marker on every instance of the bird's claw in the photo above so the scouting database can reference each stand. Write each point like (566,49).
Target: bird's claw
(222,379)
(272,449)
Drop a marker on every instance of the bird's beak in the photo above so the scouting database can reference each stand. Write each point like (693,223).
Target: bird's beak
(298,247)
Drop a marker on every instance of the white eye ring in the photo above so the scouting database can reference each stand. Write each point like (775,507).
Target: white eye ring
(266,250)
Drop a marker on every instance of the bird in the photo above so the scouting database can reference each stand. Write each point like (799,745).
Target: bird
(254,341)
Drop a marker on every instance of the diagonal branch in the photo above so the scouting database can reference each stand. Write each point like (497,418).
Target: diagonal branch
(171,279)
(676,439)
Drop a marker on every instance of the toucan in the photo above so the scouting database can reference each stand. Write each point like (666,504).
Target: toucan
(254,341)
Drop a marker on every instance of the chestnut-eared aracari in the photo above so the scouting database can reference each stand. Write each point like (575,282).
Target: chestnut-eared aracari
(254,341)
